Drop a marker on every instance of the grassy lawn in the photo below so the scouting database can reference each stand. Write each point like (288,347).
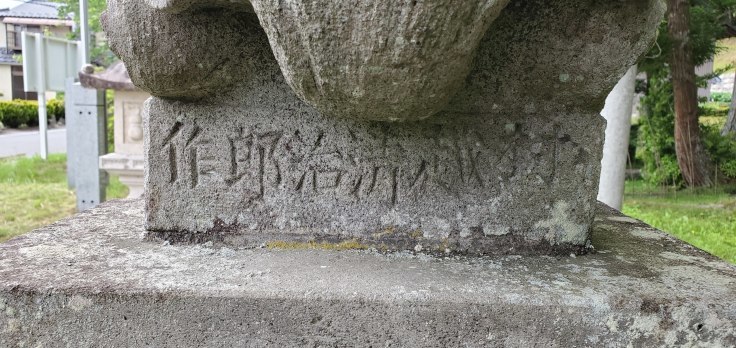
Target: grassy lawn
(34,193)
(703,218)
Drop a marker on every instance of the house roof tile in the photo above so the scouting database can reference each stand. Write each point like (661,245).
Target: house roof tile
(29,9)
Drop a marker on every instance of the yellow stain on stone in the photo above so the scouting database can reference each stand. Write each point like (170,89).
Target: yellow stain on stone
(416,234)
(312,245)
(386,232)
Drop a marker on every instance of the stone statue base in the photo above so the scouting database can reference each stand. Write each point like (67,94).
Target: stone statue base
(89,281)
(258,166)
(128,168)
(396,125)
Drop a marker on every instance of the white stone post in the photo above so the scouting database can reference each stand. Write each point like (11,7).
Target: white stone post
(616,147)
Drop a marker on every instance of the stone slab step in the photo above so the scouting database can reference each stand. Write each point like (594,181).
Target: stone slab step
(91,281)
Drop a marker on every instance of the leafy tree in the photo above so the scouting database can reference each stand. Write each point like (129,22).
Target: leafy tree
(695,163)
(687,37)
(656,147)
(99,50)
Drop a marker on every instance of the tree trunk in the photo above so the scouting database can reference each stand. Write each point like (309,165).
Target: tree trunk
(692,157)
(730,126)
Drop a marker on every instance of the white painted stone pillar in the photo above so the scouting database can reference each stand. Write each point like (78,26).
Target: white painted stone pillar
(615,149)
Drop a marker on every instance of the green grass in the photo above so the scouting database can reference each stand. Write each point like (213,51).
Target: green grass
(115,189)
(704,218)
(34,193)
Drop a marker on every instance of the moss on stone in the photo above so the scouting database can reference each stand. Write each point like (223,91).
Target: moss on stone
(385,232)
(416,234)
(313,245)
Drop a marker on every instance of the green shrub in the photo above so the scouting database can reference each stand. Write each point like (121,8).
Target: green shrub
(721,97)
(110,96)
(635,162)
(55,109)
(18,112)
(713,109)
(729,168)
(722,149)
(656,140)
(656,134)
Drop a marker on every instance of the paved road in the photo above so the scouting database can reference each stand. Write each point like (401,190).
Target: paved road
(26,142)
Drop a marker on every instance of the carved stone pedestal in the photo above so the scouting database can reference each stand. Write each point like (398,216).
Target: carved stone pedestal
(128,168)
(428,125)
(259,166)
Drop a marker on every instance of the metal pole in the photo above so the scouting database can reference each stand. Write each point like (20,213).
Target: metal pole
(41,90)
(84,31)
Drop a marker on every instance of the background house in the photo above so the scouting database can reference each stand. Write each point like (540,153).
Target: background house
(17,17)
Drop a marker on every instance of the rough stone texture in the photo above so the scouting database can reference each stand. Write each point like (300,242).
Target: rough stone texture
(390,61)
(512,161)
(114,77)
(177,6)
(558,56)
(258,165)
(89,281)
(377,60)
(181,55)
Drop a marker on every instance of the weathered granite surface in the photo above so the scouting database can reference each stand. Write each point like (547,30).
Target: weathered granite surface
(377,60)
(247,170)
(184,56)
(90,281)
(473,129)
(115,77)
(389,61)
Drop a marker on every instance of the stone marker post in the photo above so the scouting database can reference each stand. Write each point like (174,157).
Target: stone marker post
(88,125)
(438,126)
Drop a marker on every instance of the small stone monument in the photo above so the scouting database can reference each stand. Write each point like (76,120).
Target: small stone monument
(436,126)
(440,126)
(127,160)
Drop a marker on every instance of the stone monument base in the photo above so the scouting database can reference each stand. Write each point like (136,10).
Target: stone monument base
(129,168)
(91,281)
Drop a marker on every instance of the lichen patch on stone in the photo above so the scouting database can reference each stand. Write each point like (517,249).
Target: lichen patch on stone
(625,219)
(560,227)
(647,233)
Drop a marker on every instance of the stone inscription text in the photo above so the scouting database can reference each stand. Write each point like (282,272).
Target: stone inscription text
(374,165)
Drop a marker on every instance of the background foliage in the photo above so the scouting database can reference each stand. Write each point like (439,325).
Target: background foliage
(17,113)
(99,49)
(655,142)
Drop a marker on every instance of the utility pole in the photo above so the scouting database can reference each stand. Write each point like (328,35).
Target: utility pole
(84,31)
